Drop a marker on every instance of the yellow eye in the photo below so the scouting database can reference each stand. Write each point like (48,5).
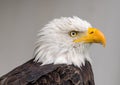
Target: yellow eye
(73,33)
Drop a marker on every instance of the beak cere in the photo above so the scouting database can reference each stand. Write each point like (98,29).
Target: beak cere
(93,35)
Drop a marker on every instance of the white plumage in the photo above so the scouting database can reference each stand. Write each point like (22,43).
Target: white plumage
(54,44)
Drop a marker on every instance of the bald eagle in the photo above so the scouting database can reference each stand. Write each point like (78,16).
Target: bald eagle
(61,55)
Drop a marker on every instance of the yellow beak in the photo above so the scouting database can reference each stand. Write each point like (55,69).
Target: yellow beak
(93,35)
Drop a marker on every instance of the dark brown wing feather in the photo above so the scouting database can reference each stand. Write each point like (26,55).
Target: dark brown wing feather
(32,73)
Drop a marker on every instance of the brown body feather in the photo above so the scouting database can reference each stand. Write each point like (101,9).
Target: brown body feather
(32,73)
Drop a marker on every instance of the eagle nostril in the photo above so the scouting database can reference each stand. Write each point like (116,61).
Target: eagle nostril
(91,32)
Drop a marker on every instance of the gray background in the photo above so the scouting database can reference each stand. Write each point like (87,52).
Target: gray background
(20,21)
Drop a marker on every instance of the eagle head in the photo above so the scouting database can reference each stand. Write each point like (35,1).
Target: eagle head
(66,41)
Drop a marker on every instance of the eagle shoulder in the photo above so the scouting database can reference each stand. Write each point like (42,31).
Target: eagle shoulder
(32,73)
(28,72)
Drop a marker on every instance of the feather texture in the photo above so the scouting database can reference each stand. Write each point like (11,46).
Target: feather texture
(32,73)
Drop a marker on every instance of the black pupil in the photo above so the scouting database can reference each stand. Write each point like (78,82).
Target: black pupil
(73,33)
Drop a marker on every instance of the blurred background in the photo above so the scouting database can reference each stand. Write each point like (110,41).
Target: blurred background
(20,20)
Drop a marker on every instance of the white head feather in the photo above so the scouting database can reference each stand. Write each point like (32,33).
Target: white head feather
(54,44)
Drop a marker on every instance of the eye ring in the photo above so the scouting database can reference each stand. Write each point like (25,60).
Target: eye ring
(73,33)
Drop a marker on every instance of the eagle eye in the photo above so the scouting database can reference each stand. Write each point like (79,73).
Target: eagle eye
(73,33)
